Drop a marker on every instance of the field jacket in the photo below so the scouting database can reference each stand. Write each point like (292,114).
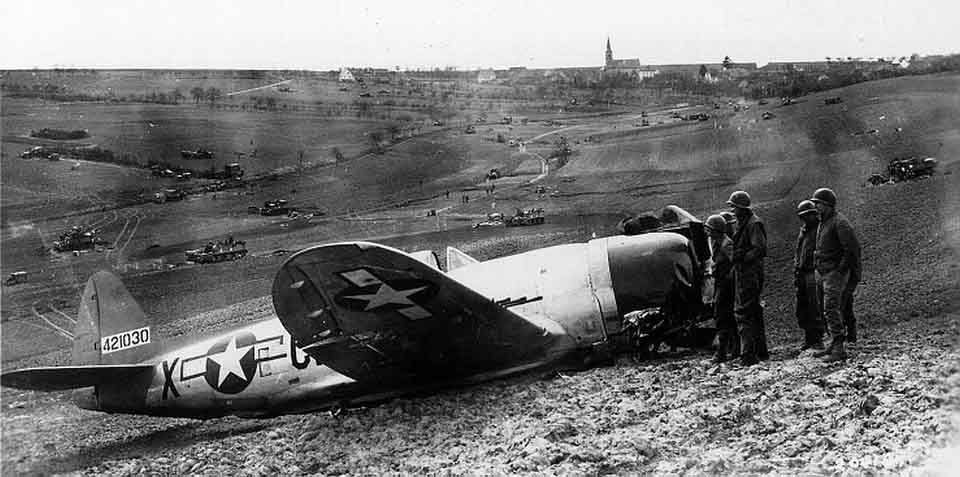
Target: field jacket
(722,253)
(837,246)
(750,241)
(806,245)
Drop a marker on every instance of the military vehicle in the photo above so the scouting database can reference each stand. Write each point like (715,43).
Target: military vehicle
(911,168)
(60,134)
(221,251)
(832,100)
(525,217)
(40,152)
(76,239)
(494,219)
(169,195)
(231,171)
(16,278)
(271,208)
(198,154)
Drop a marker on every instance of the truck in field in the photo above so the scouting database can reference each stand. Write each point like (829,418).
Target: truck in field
(271,208)
(525,217)
(221,251)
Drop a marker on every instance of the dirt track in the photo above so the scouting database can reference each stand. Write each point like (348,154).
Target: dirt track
(678,414)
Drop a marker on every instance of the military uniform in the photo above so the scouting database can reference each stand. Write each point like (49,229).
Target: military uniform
(749,249)
(808,303)
(837,260)
(723,298)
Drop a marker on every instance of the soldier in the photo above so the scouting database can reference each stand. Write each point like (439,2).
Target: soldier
(749,249)
(808,305)
(836,258)
(731,223)
(721,252)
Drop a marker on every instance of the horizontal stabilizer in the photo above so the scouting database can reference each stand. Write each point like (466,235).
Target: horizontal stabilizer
(428,258)
(59,378)
(457,258)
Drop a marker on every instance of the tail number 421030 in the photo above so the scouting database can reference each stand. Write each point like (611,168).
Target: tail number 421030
(124,340)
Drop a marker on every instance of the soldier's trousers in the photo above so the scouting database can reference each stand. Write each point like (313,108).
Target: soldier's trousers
(726,323)
(832,286)
(849,321)
(808,306)
(748,284)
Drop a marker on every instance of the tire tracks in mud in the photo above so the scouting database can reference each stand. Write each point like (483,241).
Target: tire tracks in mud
(136,218)
(53,326)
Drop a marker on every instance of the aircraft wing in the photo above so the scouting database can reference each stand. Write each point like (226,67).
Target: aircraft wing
(380,316)
(59,378)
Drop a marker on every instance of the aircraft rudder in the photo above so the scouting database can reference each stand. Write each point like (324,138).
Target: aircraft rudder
(111,327)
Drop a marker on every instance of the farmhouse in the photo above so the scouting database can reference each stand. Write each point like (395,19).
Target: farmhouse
(486,76)
(346,75)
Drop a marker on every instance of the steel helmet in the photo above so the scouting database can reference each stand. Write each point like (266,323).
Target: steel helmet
(825,196)
(806,207)
(716,223)
(739,199)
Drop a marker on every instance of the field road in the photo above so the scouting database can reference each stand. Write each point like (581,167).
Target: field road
(555,131)
(258,88)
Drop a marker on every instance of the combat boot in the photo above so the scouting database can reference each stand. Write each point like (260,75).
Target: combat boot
(826,351)
(838,353)
(852,332)
(816,343)
(813,340)
(723,343)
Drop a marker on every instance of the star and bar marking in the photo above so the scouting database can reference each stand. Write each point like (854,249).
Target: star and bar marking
(385,294)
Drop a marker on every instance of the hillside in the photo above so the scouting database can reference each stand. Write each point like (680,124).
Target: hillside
(673,415)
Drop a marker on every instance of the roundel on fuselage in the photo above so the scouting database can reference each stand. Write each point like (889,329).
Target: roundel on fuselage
(231,363)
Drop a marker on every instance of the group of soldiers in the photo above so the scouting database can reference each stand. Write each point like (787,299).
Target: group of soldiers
(827,269)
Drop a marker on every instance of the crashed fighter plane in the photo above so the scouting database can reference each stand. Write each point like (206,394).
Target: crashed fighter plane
(359,322)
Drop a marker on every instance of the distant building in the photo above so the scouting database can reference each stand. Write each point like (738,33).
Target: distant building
(486,76)
(346,75)
(630,66)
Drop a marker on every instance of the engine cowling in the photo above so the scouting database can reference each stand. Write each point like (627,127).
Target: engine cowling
(644,271)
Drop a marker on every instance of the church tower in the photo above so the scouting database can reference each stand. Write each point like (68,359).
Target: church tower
(609,57)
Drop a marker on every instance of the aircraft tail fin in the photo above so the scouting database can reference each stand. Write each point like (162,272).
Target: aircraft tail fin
(456,258)
(59,378)
(111,327)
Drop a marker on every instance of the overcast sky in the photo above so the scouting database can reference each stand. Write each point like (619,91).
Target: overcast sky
(328,34)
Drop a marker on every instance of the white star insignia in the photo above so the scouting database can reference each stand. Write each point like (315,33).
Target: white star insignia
(229,361)
(386,295)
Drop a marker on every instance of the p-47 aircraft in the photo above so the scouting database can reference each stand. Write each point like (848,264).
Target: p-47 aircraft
(359,322)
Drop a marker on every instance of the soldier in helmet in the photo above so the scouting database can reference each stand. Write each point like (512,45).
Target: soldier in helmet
(837,260)
(721,252)
(731,223)
(749,249)
(808,305)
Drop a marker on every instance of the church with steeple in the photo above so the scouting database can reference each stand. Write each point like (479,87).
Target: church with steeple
(630,66)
